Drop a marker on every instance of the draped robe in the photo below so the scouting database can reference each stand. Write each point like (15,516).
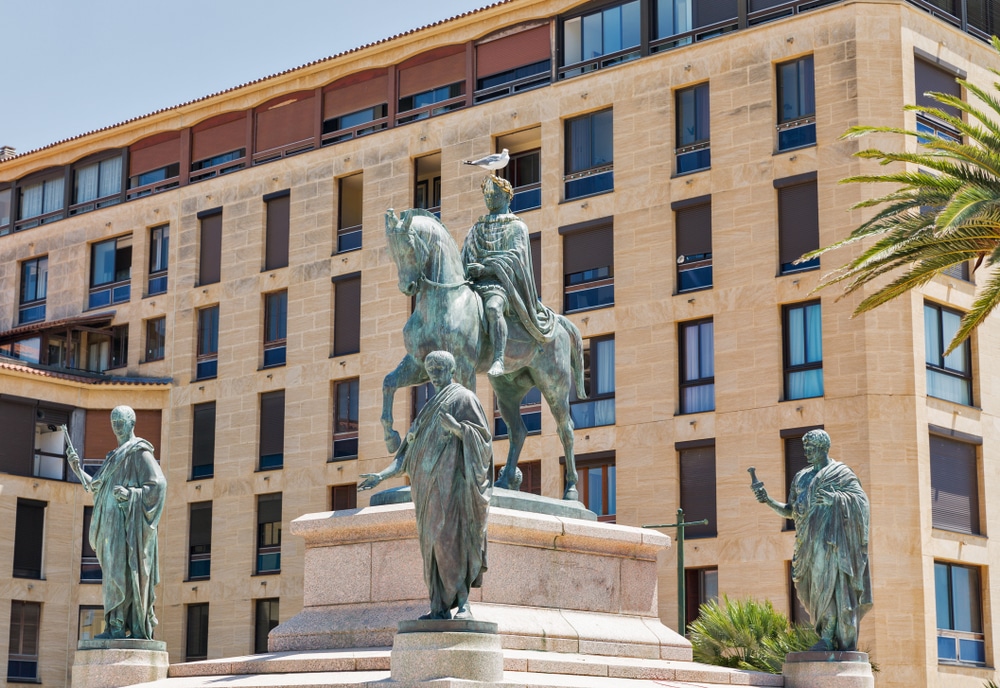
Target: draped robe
(501,244)
(830,563)
(450,482)
(123,535)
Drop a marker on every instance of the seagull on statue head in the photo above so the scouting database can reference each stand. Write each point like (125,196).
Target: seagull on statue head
(494,162)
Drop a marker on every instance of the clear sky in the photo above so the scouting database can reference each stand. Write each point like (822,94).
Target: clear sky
(72,66)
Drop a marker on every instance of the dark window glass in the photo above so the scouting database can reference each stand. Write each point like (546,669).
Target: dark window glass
(269,533)
(697,356)
(588,269)
(29,529)
(156,338)
(272,430)
(210,249)
(203,441)
(700,586)
(34,287)
(428,98)
(421,395)
(356,119)
(265,619)
(609,31)
(796,104)
(91,622)
(692,147)
(22,649)
(930,78)
(276,232)
(347,317)
(597,484)
(345,424)
(208,342)
(698,497)
(795,461)
(159,251)
(220,159)
(351,213)
(803,349)
(954,485)
(693,225)
(948,377)
(599,376)
(196,645)
(524,172)
(531,476)
(589,154)
(90,568)
(275,328)
(110,272)
(959,614)
(200,541)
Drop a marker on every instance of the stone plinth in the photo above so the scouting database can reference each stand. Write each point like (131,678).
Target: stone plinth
(116,663)
(827,670)
(555,584)
(431,650)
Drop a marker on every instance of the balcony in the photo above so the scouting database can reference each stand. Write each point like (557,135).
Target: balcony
(107,294)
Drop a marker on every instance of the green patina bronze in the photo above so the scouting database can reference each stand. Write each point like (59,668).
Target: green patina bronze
(129,491)
(449,457)
(482,306)
(830,562)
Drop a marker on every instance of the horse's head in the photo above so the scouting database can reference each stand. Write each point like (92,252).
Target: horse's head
(403,250)
(422,250)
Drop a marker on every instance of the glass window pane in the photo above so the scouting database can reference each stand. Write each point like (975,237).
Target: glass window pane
(965,599)
(53,195)
(103,263)
(707,349)
(806,87)
(111,177)
(942,597)
(932,344)
(592,34)
(85,183)
(603,139)
(796,336)
(612,30)
(595,491)
(691,353)
(631,29)
(612,487)
(814,334)
(572,41)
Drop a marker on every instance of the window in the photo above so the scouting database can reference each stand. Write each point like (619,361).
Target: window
(697,480)
(41,201)
(597,484)
(208,343)
(513,63)
(269,533)
(218,164)
(697,357)
(203,441)
(954,485)
(275,328)
(524,172)
(352,124)
(90,568)
(159,250)
(948,377)
(675,17)
(427,193)
(431,83)
(588,265)
(344,497)
(154,164)
(347,315)
(5,195)
(210,246)
(350,212)
(34,287)
(932,78)
(265,618)
(700,586)
(272,430)
(196,643)
(589,155)
(29,538)
(50,444)
(107,351)
(160,174)
(200,541)
(91,622)
(959,614)
(433,96)
(22,653)
(798,222)
(420,396)
(803,351)
(693,226)
(356,105)
(276,230)
(796,104)
(531,414)
(600,39)
(531,476)
(345,423)
(599,376)
(795,460)
(692,146)
(110,272)
(156,338)
(97,185)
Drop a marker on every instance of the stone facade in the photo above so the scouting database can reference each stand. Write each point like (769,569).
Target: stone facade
(875,405)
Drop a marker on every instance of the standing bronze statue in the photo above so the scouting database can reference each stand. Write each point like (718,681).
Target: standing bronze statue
(449,457)
(830,562)
(129,490)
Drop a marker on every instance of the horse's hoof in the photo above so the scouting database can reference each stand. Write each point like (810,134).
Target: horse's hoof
(392,442)
(496,370)
(571,494)
(501,482)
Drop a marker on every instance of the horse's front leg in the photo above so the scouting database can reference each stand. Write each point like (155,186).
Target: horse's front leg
(409,372)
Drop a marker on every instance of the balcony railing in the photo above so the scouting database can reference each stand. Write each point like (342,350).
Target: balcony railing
(220,169)
(797,133)
(356,131)
(35,221)
(511,87)
(432,110)
(107,294)
(153,188)
(607,60)
(959,647)
(95,204)
(286,151)
(526,197)
(157,283)
(31,312)
(349,238)
(596,180)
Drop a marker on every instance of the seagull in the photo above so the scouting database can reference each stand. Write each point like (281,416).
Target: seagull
(494,162)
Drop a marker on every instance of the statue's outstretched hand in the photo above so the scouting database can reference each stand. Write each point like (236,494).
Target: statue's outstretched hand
(760,493)
(475,270)
(370,481)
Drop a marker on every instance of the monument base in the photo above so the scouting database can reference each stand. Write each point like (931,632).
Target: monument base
(117,663)
(827,670)
(428,650)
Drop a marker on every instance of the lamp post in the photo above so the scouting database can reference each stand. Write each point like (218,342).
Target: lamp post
(681,597)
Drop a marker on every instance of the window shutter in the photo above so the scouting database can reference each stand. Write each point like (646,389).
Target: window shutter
(929,77)
(272,423)
(29,526)
(954,485)
(147,426)
(694,230)
(711,11)
(347,317)
(276,251)
(698,490)
(269,508)
(517,50)
(203,444)
(99,438)
(588,249)
(219,135)
(344,497)
(351,94)
(798,221)
(154,152)
(17,422)
(201,524)
(795,461)
(440,67)
(284,122)
(210,262)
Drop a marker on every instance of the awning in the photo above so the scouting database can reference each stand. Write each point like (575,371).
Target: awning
(90,320)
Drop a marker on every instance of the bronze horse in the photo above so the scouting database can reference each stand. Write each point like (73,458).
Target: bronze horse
(448,315)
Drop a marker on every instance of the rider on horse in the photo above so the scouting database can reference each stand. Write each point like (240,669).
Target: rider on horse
(497,257)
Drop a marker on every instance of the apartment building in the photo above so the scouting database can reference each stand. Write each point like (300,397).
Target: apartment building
(221,267)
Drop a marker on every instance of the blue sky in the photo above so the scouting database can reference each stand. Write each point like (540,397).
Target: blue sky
(77,65)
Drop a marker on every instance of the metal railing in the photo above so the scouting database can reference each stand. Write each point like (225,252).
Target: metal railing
(95,204)
(285,151)
(601,62)
(153,188)
(355,132)
(432,110)
(511,87)
(220,169)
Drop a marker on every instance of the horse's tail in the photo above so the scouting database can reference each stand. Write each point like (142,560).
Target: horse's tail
(576,355)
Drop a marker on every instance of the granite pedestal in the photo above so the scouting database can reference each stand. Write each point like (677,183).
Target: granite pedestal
(117,663)
(827,670)
(431,650)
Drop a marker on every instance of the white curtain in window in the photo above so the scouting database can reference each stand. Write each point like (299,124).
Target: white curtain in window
(605,352)
(698,399)
(692,350)
(31,201)
(111,178)
(932,344)
(53,195)
(85,188)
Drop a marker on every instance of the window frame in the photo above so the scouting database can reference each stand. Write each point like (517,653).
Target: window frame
(599,279)
(693,215)
(273,604)
(78,205)
(268,540)
(155,337)
(198,641)
(33,309)
(940,368)
(269,405)
(119,288)
(277,229)
(54,177)
(592,371)
(201,448)
(605,463)
(19,652)
(797,130)
(606,57)
(207,342)
(949,634)
(199,559)
(350,237)
(698,450)
(947,471)
(590,178)
(682,350)
(527,196)
(789,369)
(159,259)
(275,328)
(346,436)
(29,539)
(90,567)
(698,150)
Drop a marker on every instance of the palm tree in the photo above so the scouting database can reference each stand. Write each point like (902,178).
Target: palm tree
(942,214)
